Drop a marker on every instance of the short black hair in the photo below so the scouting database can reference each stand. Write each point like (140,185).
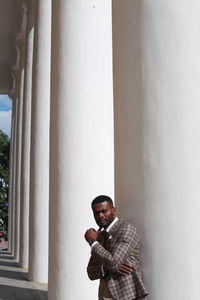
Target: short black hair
(102,198)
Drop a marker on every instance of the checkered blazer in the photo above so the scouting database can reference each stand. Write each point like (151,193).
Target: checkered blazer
(122,245)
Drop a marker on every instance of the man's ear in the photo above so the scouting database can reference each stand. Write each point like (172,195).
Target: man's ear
(113,210)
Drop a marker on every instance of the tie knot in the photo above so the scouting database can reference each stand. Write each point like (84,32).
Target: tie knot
(104,238)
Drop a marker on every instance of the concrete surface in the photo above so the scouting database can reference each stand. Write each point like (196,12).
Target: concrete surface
(14,284)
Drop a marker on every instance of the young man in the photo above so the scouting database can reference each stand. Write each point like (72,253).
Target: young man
(115,254)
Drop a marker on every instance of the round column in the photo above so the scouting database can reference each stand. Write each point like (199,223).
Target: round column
(26,135)
(13,204)
(39,176)
(81,151)
(11,178)
(13,210)
(12,163)
(158,166)
(20,44)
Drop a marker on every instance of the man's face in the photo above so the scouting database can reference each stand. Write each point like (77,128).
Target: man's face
(104,213)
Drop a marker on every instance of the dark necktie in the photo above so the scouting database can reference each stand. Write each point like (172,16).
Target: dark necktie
(104,238)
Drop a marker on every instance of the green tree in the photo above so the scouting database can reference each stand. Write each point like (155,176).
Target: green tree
(4,182)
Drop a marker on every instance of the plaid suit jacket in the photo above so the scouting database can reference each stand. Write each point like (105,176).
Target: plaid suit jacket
(122,245)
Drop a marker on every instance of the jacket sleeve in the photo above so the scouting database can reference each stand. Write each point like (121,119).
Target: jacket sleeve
(127,240)
(94,268)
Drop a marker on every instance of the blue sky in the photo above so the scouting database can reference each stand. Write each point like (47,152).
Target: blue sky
(5,114)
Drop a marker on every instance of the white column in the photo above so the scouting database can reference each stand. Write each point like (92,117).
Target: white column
(13,209)
(20,43)
(39,177)
(26,136)
(158,159)
(13,206)
(12,165)
(81,155)
(11,178)
(17,93)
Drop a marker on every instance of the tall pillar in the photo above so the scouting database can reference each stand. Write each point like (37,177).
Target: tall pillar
(13,208)
(20,47)
(81,147)
(26,134)
(39,176)
(157,71)
(13,226)
(12,164)
(11,177)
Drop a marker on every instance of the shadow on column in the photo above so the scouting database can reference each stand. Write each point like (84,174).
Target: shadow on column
(128,108)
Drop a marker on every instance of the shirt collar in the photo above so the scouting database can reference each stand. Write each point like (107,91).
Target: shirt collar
(111,224)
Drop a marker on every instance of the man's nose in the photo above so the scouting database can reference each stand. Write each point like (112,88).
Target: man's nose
(101,215)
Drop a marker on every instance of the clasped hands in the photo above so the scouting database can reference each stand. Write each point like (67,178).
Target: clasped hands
(92,234)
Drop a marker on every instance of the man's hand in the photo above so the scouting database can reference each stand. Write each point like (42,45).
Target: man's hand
(91,234)
(125,269)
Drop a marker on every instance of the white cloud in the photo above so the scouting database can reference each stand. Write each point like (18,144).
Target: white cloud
(5,103)
(5,121)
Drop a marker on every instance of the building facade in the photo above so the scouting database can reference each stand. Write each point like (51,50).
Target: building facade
(105,101)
